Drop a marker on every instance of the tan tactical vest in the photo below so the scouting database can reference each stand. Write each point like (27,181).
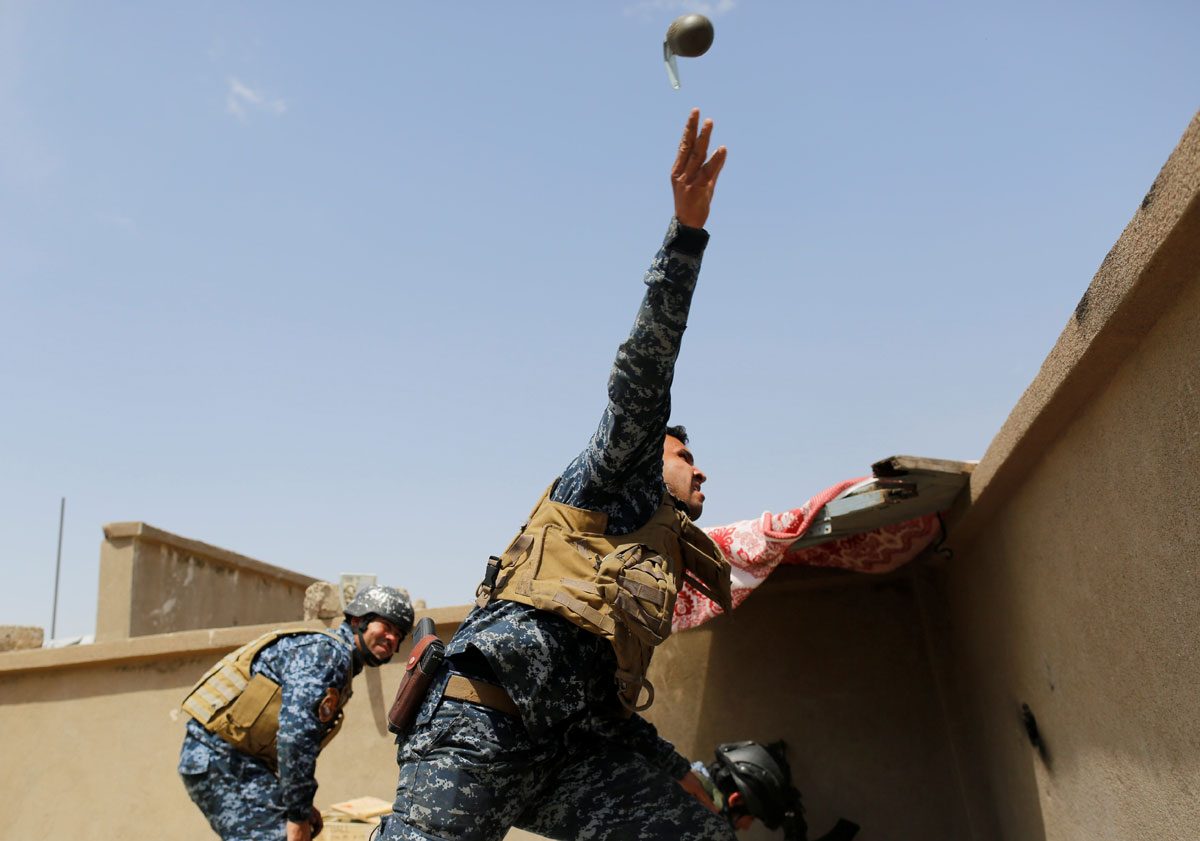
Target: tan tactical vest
(244,710)
(620,587)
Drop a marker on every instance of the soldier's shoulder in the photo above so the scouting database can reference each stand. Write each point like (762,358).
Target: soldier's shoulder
(308,638)
(315,646)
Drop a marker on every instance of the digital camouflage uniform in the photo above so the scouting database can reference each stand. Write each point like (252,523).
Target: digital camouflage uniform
(572,766)
(242,798)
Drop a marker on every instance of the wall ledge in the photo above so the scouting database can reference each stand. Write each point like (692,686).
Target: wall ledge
(179,644)
(146,532)
(1140,277)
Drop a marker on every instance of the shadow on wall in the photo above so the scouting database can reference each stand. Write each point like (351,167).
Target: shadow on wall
(838,667)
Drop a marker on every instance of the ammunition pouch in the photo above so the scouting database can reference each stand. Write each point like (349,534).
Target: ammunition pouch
(245,722)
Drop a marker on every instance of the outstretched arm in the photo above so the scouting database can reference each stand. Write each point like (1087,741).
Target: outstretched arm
(620,471)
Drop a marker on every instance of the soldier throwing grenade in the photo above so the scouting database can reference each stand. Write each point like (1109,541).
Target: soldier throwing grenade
(531,721)
(260,716)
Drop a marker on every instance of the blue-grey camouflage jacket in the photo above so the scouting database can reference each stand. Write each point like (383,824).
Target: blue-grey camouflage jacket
(304,666)
(557,672)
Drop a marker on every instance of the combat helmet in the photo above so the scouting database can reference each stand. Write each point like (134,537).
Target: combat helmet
(388,602)
(757,781)
(753,778)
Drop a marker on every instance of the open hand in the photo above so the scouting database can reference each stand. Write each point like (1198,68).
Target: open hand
(692,178)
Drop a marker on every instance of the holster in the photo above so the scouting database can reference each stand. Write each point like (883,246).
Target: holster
(427,655)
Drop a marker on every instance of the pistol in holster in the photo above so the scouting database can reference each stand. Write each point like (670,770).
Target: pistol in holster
(427,654)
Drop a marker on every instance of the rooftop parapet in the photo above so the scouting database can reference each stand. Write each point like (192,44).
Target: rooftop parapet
(155,582)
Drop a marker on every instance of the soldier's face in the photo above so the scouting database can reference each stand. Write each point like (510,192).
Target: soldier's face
(382,637)
(682,476)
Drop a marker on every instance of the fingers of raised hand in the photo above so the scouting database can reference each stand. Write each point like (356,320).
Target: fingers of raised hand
(698,152)
(685,145)
(713,168)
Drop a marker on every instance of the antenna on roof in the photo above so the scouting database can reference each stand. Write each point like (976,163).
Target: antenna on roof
(62,513)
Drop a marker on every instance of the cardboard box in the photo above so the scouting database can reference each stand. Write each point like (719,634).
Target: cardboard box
(346,831)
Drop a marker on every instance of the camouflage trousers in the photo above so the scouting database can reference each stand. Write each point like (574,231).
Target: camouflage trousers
(468,773)
(240,796)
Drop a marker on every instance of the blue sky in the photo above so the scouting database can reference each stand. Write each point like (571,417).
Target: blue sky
(338,287)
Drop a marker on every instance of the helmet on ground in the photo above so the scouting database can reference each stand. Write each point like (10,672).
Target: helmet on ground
(387,602)
(762,780)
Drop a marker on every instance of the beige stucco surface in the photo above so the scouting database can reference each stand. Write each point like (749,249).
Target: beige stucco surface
(837,666)
(100,729)
(834,665)
(1075,590)
(1146,270)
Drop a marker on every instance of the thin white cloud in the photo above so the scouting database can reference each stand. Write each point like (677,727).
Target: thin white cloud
(241,99)
(647,8)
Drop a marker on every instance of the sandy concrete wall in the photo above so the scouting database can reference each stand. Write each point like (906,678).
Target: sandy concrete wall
(1075,590)
(835,666)
(101,728)
(155,582)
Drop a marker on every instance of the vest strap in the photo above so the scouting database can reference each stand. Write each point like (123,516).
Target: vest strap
(489,585)
(642,623)
(627,680)
(519,547)
(584,586)
(643,591)
(604,623)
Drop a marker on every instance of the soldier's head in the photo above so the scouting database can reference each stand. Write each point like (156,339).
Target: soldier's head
(680,473)
(381,618)
(756,782)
